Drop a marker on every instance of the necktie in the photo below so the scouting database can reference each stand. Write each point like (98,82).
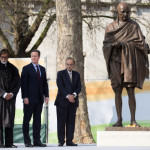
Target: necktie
(70,76)
(38,73)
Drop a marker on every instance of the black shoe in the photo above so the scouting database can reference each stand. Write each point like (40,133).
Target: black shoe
(11,146)
(2,146)
(40,145)
(71,144)
(28,145)
(60,144)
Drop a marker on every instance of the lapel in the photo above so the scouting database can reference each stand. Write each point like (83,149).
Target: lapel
(67,75)
(33,69)
(73,77)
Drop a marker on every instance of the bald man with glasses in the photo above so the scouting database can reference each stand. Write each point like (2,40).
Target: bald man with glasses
(69,87)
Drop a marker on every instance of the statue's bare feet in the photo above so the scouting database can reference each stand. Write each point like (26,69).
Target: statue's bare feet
(117,124)
(135,124)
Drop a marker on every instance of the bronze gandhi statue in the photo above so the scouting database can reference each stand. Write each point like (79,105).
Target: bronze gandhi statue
(125,52)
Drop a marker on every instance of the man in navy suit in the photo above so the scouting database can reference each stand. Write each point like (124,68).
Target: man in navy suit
(69,86)
(34,90)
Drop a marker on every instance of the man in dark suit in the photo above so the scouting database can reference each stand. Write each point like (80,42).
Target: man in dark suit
(69,86)
(9,87)
(34,90)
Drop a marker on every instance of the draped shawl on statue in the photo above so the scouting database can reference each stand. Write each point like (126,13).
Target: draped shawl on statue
(134,58)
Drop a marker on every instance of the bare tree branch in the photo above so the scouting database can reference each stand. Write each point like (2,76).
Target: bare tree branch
(89,24)
(39,18)
(6,11)
(5,42)
(97,16)
(8,31)
(44,33)
(30,33)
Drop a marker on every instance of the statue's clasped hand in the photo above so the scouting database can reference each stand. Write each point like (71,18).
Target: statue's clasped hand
(117,45)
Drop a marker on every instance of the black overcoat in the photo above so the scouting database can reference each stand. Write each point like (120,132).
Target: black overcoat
(11,84)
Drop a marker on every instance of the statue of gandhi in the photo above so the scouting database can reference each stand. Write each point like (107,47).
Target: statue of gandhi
(125,52)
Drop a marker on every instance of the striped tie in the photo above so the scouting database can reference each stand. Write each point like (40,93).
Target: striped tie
(70,76)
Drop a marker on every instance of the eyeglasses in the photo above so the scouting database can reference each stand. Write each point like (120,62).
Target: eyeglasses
(69,64)
(2,57)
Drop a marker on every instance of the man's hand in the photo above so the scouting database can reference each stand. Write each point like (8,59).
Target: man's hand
(46,100)
(117,44)
(9,96)
(71,98)
(26,101)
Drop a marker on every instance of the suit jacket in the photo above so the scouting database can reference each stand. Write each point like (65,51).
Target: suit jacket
(31,87)
(65,87)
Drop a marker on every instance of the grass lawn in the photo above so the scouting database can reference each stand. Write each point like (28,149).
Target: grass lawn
(53,135)
(19,116)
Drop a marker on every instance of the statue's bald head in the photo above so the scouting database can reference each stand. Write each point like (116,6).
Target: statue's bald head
(123,11)
(122,6)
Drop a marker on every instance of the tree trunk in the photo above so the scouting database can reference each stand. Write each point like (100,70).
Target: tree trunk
(69,28)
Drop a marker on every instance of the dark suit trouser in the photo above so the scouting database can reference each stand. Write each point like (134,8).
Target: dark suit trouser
(8,136)
(66,120)
(1,137)
(35,109)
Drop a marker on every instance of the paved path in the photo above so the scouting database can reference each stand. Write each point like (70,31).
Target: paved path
(80,147)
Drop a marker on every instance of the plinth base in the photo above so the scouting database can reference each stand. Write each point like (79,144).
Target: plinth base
(127,129)
(124,136)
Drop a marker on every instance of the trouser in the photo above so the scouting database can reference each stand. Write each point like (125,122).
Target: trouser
(34,109)
(66,120)
(8,136)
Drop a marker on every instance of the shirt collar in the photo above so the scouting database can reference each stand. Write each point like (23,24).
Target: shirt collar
(35,64)
(69,71)
(3,64)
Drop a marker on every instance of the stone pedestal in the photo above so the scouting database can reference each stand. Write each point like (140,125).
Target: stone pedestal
(124,136)
(127,129)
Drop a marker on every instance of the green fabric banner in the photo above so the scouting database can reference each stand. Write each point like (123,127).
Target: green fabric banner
(18,134)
